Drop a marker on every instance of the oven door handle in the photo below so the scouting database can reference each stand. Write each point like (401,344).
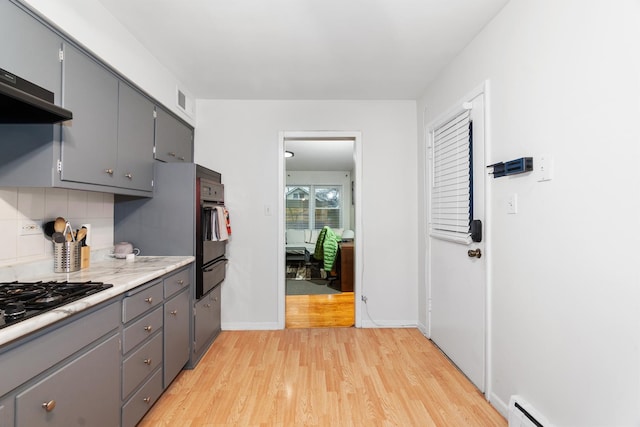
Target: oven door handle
(209,267)
(211,205)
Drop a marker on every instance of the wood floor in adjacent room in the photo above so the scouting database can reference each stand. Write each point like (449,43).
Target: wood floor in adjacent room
(319,311)
(323,377)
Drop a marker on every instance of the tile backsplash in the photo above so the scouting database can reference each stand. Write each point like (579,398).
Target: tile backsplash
(21,206)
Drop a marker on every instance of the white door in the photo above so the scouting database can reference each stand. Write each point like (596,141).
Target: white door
(457,270)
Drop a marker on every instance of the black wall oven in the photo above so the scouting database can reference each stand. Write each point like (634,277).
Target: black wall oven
(210,245)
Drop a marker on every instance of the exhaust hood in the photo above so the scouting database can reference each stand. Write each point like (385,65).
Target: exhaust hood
(24,102)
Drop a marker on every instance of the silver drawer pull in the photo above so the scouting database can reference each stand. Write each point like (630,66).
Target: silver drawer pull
(149,300)
(215,299)
(180,282)
(148,328)
(174,312)
(146,400)
(109,171)
(128,175)
(49,406)
(181,158)
(147,361)
(208,305)
(171,153)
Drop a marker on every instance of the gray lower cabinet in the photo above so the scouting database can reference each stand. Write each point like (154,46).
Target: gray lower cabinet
(174,139)
(83,392)
(66,375)
(207,321)
(142,350)
(155,341)
(176,335)
(103,367)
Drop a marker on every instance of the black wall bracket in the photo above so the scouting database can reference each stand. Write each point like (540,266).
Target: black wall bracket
(512,167)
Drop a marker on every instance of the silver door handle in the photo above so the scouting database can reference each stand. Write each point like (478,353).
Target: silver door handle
(474,253)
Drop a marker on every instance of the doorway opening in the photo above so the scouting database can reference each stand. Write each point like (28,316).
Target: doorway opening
(319,256)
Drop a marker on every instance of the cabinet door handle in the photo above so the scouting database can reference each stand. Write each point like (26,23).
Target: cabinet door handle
(180,282)
(174,312)
(147,361)
(215,299)
(171,153)
(146,400)
(49,406)
(147,328)
(149,300)
(109,171)
(181,158)
(208,305)
(128,175)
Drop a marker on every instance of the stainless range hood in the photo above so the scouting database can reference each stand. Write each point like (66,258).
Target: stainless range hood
(24,102)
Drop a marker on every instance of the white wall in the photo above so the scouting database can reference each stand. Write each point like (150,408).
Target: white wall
(328,178)
(93,26)
(240,140)
(565,286)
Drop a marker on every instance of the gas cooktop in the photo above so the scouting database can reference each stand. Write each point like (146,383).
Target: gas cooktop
(23,300)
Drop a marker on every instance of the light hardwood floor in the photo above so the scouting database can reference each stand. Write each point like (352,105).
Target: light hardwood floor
(323,377)
(319,311)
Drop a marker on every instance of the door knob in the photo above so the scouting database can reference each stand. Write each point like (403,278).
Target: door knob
(474,253)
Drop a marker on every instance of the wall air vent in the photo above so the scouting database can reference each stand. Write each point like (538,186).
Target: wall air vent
(184,101)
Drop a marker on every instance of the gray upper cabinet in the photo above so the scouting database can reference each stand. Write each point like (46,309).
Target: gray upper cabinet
(174,139)
(89,141)
(29,49)
(110,140)
(135,140)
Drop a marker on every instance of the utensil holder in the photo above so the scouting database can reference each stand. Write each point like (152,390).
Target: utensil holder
(66,257)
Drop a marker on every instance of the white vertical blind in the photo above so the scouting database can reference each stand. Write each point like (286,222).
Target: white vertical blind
(451,184)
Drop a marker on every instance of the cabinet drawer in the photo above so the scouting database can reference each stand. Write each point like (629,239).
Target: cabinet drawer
(35,356)
(138,303)
(141,329)
(85,390)
(176,282)
(142,400)
(140,364)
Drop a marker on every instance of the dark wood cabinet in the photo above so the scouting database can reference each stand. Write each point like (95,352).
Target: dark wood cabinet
(345,267)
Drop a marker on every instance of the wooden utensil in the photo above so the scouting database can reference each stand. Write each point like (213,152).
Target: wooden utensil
(82,233)
(59,224)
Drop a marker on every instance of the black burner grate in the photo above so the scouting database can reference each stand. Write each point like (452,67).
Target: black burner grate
(23,300)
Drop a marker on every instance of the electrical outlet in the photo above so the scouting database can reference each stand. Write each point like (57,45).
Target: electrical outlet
(544,167)
(30,227)
(512,204)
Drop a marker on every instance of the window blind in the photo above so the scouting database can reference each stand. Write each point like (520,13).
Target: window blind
(451,192)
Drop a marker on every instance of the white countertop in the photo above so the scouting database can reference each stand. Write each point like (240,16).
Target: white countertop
(123,275)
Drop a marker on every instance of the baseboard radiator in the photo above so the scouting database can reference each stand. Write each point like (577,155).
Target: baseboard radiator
(522,414)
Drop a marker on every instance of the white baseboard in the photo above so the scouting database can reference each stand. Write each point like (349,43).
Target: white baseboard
(500,406)
(389,324)
(262,326)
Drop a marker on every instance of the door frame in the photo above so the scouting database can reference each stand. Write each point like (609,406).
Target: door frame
(484,90)
(356,136)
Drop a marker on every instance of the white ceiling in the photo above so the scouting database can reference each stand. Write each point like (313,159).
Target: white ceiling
(320,155)
(304,49)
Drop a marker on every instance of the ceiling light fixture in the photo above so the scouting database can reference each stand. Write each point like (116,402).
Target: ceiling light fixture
(288,154)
